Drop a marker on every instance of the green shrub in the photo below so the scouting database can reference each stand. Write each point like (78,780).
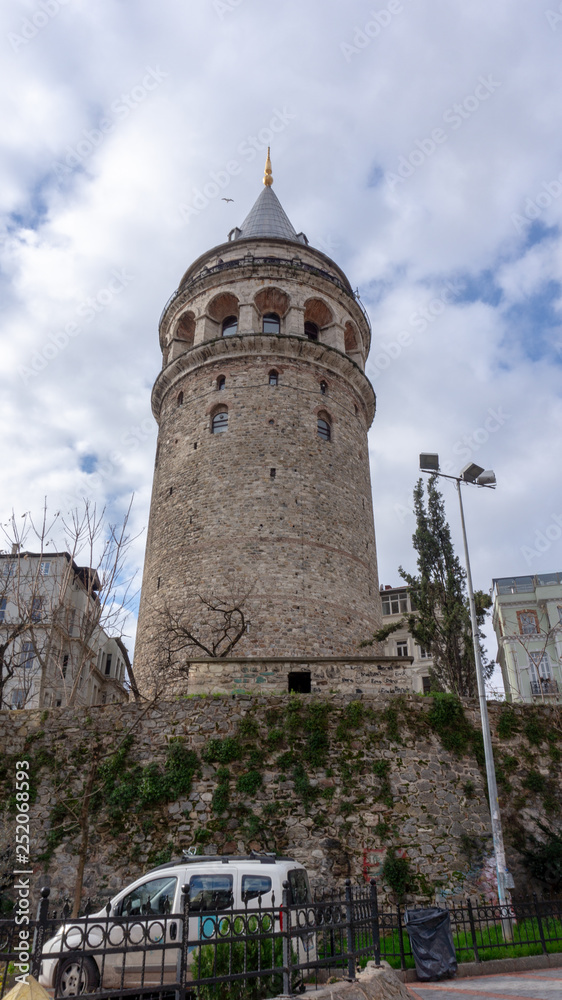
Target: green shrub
(508,724)
(222,751)
(249,783)
(225,959)
(397,873)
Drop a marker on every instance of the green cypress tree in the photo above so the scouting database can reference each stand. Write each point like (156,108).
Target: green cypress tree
(441,619)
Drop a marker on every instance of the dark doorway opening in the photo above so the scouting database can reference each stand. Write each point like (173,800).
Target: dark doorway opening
(300,682)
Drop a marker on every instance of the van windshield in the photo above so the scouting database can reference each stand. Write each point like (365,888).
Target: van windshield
(298,884)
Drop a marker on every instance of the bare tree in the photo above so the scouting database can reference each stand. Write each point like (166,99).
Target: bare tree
(208,625)
(60,600)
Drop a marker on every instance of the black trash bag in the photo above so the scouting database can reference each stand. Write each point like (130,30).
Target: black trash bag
(430,936)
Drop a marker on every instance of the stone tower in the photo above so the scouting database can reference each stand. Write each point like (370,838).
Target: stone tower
(261,480)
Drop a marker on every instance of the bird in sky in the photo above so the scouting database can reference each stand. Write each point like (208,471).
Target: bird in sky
(227,199)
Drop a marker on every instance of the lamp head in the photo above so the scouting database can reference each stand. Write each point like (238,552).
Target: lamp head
(429,463)
(487,478)
(471,472)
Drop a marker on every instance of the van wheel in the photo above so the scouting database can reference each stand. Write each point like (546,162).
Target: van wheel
(76,975)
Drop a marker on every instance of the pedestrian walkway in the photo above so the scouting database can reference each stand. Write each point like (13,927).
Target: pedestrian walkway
(544,984)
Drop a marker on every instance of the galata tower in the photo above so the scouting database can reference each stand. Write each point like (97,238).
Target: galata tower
(261,490)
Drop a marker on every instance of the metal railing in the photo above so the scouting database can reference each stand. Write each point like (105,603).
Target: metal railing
(196,951)
(544,686)
(206,949)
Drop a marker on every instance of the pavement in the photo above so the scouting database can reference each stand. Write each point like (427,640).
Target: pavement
(543,984)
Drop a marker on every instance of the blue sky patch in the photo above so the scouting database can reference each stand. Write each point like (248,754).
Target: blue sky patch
(88,463)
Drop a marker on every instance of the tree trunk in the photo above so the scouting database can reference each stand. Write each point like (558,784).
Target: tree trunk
(84,824)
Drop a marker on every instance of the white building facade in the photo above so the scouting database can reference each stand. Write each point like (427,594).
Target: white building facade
(527,619)
(396,602)
(53,650)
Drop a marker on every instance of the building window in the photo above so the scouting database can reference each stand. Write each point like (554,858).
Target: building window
(45,568)
(71,620)
(560,614)
(3,603)
(528,622)
(323,388)
(426,685)
(180,398)
(394,604)
(9,569)
(18,698)
(311,331)
(230,326)
(271,323)
(220,422)
(221,382)
(539,663)
(273,378)
(36,609)
(424,653)
(402,648)
(64,664)
(108,663)
(324,429)
(27,655)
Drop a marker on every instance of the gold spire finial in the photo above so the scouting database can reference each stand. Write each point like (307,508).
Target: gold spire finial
(268,176)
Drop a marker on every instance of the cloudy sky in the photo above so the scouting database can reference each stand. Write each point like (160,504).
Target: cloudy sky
(418,144)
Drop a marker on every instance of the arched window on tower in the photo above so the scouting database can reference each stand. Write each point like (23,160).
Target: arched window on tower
(271,323)
(324,427)
(323,388)
(311,331)
(273,377)
(221,382)
(180,398)
(219,423)
(230,326)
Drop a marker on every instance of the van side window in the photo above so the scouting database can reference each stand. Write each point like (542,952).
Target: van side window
(298,883)
(154,897)
(210,892)
(255,885)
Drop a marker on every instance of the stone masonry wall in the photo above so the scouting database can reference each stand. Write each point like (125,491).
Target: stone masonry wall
(335,782)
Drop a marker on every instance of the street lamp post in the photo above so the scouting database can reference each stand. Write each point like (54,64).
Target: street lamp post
(474,474)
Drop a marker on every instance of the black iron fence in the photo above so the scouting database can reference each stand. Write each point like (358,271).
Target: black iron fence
(212,949)
(208,949)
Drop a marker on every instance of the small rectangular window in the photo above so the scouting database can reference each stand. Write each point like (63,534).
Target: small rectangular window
(402,648)
(426,685)
(64,664)
(45,568)
(27,655)
(424,653)
(108,663)
(17,698)
(254,886)
(210,892)
(528,622)
(3,603)
(394,604)
(36,609)
(299,887)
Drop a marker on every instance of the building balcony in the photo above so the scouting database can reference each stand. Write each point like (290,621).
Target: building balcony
(544,687)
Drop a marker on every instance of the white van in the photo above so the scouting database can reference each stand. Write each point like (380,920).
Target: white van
(215,882)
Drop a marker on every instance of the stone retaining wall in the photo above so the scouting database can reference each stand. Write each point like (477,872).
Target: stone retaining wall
(335,782)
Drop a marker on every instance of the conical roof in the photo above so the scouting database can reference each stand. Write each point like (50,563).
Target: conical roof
(267,217)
